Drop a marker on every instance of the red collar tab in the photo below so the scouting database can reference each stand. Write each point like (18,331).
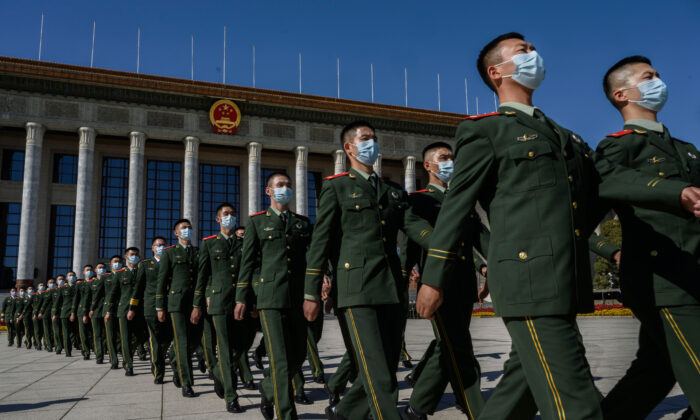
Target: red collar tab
(477,117)
(620,133)
(336,176)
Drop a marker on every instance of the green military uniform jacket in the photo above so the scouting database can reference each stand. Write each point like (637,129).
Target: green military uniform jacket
(119,300)
(661,252)
(359,226)
(427,204)
(219,266)
(21,303)
(5,314)
(540,185)
(145,290)
(11,308)
(177,277)
(46,303)
(28,309)
(52,299)
(66,293)
(282,249)
(84,298)
(97,295)
(111,293)
(602,247)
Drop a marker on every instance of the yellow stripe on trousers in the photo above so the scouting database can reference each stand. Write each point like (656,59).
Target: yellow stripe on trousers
(455,368)
(681,338)
(112,353)
(94,336)
(153,359)
(313,357)
(177,352)
(364,364)
(218,351)
(121,334)
(272,363)
(545,366)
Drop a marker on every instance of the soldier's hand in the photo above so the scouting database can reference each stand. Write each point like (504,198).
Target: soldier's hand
(107,317)
(484,270)
(328,307)
(311,309)
(161,316)
(40,316)
(195,315)
(19,318)
(208,302)
(254,313)
(34,318)
(85,319)
(483,292)
(690,200)
(326,288)
(428,301)
(130,315)
(72,317)
(53,318)
(617,257)
(90,314)
(239,311)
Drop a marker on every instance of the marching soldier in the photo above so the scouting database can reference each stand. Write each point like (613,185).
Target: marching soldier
(109,282)
(160,333)
(177,277)
(367,213)
(539,184)
(28,318)
(219,262)
(66,312)
(80,301)
(53,301)
(281,238)
(17,316)
(45,315)
(96,314)
(452,357)
(6,316)
(660,270)
(37,301)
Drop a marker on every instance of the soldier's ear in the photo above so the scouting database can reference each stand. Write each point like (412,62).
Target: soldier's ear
(620,96)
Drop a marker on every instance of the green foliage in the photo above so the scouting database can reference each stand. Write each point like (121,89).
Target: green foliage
(611,231)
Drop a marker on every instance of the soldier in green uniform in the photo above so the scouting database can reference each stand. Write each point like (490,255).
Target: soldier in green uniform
(118,304)
(96,304)
(160,333)
(29,320)
(281,238)
(219,263)
(314,331)
(6,316)
(111,332)
(56,326)
(452,357)
(661,266)
(36,321)
(23,332)
(66,312)
(177,277)
(540,186)
(357,223)
(81,303)
(45,314)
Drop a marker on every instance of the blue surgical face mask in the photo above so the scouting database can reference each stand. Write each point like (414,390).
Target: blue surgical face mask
(116,266)
(186,234)
(282,195)
(101,271)
(445,170)
(367,152)
(52,285)
(89,274)
(13,294)
(30,292)
(71,279)
(159,250)
(42,288)
(529,69)
(654,94)
(23,293)
(61,282)
(133,259)
(228,221)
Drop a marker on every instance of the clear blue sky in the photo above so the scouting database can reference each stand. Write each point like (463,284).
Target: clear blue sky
(578,40)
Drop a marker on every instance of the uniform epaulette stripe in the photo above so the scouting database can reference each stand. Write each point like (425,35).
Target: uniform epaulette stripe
(476,117)
(168,247)
(336,176)
(120,270)
(620,133)
(441,251)
(134,302)
(209,237)
(258,213)
(425,232)
(600,244)
(313,269)
(441,257)
(419,191)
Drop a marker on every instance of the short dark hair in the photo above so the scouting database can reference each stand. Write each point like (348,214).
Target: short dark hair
(436,145)
(158,237)
(240,228)
(115,256)
(352,127)
(71,272)
(132,248)
(274,174)
(487,54)
(87,265)
(181,221)
(222,205)
(607,85)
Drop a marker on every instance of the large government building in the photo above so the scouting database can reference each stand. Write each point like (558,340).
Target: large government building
(94,161)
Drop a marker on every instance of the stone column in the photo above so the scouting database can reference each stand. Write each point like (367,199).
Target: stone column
(135,222)
(254,150)
(83,196)
(190,184)
(409,180)
(377,167)
(338,162)
(301,154)
(26,252)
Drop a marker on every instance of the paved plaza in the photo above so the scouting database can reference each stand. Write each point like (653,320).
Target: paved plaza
(41,385)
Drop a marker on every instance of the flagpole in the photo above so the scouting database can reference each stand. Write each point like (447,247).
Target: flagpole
(224,67)
(337,61)
(299,72)
(192,57)
(92,49)
(438,80)
(466,95)
(495,102)
(138,50)
(41,35)
(253,65)
(405,84)
(477,105)
(371,78)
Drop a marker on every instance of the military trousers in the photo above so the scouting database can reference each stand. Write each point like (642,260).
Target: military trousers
(19,331)
(57,329)
(313,336)
(48,331)
(10,331)
(547,371)
(131,336)
(451,361)
(111,340)
(208,343)
(160,335)
(186,338)
(98,336)
(28,331)
(420,366)
(250,326)
(285,332)
(347,369)
(68,333)
(230,336)
(375,333)
(669,347)
(38,330)
(85,333)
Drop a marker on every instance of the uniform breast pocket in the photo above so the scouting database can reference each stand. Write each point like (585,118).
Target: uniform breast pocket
(532,166)
(350,272)
(526,268)
(355,212)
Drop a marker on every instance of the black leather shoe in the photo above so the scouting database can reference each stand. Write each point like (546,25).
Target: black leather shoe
(201,365)
(176,377)
(211,376)
(115,366)
(142,356)
(320,379)
(407,364)
(267,408)
(38,348)
(332,413)
(129,372)
(258,360)
(158,381)
(58,351)
(68,354)
(333,397)
(218,388)
(99,361)
(409,380)
(49,349)
(188,392)
(250,385)
(234,407)
(86,357)
(410,414)
(302,399)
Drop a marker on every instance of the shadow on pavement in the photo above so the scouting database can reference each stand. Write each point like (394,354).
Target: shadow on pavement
(6,408)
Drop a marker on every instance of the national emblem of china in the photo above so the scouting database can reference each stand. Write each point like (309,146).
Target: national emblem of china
(224,116)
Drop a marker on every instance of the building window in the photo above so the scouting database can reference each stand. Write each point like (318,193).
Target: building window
(264,173)
(10,214)
(12,165)
(217,184)
(113,207)
(65,169)
(313,187)
(162,202)
(61,240)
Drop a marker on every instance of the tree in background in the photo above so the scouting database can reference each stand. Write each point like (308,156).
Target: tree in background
(611,231)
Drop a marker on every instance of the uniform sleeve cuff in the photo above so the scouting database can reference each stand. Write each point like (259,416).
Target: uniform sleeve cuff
(312,297)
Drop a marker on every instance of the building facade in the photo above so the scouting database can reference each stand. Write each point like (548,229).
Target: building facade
(94,161)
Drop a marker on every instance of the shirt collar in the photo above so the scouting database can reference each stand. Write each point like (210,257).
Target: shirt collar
(437,187)
(527,109)
(362,173)
(647,124)
(225,235)
(277,212)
